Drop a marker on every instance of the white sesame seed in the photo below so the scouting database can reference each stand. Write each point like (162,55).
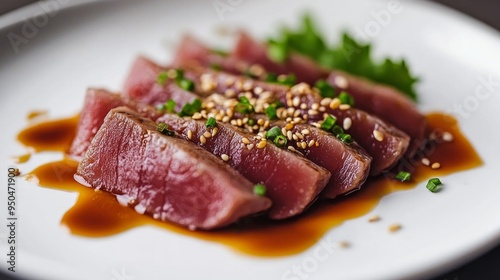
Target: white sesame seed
(245,140)
(315,106)
(261,144)
(196,116)
(344,107)
(303,144)
(379,136)
(448,137)
(303,106)
(394,227)
(283,131)
(341,82)
(300,135)
(347,123)
(224,157)
(436,165)
(250,146)
(296,101)
(207,134)
(322,108)
(190,134)
(312,112)
(289,126)
(214,131)
(305,131)
(311,143)
(426,161)
(334,104)
(203,140)
(325,101)
(295,137)
(289,135)
(374,218)
(258,90)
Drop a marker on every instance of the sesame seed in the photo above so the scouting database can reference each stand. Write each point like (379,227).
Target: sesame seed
(347,123)
(207,134)
(229,113)
(297,120)
(230,92)
(296,101)
(374,218)
(291,148)
(290,111)
(315,124)
(311,143)
(289,135)
(325,101)
(305,117)
(448,137)
(317,143)
(260,121)
(295,137)
(224,157)
(258,90)
(247,85)
(312,112)
(379,136)
(303,106)
(190,134)
(261,144)
(394,227)
(250,146)
(296,113)
(203,140)
(303,144)
(207,83)
(289,119)
(426,161)
(245,140)
(234,122)
(334,104)
(289,126)
(229,82)
(322,108)
(436,165)
(344,107)
(214,131)
(300,135)
(196,116)
(305,131)
(341,82)
(266,124)
(239,122)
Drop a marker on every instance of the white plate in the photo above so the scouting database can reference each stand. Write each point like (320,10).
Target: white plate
(94,44)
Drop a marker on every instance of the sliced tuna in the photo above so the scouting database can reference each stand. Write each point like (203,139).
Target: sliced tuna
(165,176)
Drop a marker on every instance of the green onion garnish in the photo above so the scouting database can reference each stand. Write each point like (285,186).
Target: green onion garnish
(328,123)
(280,141)
(271,78)
(215,66)
(346,138)
(271,112)
(251,122)
(163,129)
(259,190)
(277,51)
(346,98)
(337,130)
(325,89)
(433,185)
(244,106)
(403,176)
(168,106)
(186,84)
(179,74)
(211,122)
(162,77)
(288,80)
(190,108)
(273,132)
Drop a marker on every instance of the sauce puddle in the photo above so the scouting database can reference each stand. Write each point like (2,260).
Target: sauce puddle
(98,213)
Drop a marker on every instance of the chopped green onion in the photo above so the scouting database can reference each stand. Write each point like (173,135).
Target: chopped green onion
(433,185)
(244,106)
(215,66)
(277,104)
(346,98)
(337,130)
(186,84)
(271,112)
(211,122)
(277,51)
(280,141)
(259,189)
(220,52)
(162,77)
(168,106)
(288,80)
(271,78)
(328,123)
(190,108)
(346,138)
(179,74)
(403,176)
(273,132)
(251,122)
(163,129)
(325,89)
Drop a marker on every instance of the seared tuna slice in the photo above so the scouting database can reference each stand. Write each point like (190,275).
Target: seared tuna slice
(253,52)
(142,85)
(349,164)
(385,102)
(98,103)
(165,176)
(292,182)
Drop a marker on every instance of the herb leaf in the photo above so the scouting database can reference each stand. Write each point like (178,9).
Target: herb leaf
(190,108)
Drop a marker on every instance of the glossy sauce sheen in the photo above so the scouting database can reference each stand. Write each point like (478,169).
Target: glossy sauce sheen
(99,214)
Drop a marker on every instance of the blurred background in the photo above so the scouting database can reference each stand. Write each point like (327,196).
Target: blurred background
(485,267)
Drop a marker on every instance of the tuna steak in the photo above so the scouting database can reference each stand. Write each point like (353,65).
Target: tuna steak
(165,176)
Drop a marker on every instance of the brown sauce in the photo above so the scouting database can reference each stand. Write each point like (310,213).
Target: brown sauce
(99,214)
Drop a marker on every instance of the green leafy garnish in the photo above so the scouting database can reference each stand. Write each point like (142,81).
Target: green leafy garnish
(433,185)
(244,106)
(346,98)
(190,108)
(325,89)
(337,130)
(186,84)
(287,80)
(271,112)
(277,51)
(162,78)
(350,55)
(276,136)
(259,189)
(328,123)
(403,176)
(168,106)
(346,138)
(211,123)
(163,129)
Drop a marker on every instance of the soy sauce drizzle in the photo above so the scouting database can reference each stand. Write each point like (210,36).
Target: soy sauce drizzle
(97,214)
